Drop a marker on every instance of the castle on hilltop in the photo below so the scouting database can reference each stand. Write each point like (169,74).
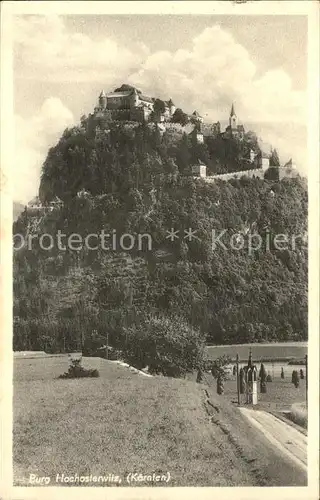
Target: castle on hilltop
(129,104)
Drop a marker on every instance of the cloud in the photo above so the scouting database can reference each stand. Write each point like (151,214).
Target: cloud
(45,50)
(214,72)
(33,137)
(217,71)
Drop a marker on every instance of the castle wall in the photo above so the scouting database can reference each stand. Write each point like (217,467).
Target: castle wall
(118,102)
(257,172)
(139,114)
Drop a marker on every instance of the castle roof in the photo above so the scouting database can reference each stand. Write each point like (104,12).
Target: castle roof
(288,164)
(145,98)
(124,93)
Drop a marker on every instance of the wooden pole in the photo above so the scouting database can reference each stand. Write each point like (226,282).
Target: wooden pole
(107,353)
(238,387)
(307,381)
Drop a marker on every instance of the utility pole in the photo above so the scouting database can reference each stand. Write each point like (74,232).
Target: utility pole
(238,388)
(307,381)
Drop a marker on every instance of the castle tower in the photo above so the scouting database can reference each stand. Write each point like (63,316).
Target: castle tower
(233,119)
(134,99)
(264,161)
(102,100)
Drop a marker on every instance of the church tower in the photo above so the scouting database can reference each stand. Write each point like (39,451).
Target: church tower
(233,119)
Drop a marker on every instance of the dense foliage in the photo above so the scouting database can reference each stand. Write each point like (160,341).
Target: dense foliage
(134,180)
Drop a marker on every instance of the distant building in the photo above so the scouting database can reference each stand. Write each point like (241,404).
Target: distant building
(36,205)
(288,170)
(196,135)
(263,161)
(199,169)
(202,130)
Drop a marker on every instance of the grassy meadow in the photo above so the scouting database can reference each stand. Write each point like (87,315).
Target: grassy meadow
(119,423)
(280,396)
(273,351)
(123,422)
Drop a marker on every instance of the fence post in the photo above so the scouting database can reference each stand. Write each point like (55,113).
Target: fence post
(238,388)
(307,381)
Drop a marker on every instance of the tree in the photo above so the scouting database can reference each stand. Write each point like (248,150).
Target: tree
(167,345)
(180,117)
(242,383)
(272,174)
(220,385)
(219,366)
(295,378)
(301,374)
(199,376)
(282,373)
(274,159)
(159,106)
(263,379)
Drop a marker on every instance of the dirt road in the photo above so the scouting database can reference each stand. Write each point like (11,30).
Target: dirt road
(286,438)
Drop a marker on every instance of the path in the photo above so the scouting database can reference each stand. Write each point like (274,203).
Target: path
(285,437)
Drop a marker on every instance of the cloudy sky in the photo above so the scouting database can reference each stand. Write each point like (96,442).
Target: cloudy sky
(61,63)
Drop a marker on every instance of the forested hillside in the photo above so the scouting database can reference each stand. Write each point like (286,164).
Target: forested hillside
(133,180)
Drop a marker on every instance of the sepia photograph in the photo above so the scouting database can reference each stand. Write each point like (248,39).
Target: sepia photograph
(160,302)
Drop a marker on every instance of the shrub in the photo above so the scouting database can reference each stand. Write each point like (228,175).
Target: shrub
(301,374)
(77,371)
(180,117)
(167,345)
(295,378)
(269,378)
(220,385)
(219,366)
(199,376)
(299,414)
(242,382)
(282,373)
(263,379)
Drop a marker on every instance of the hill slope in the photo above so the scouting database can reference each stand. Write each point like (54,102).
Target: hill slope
(132,181)
(123,423)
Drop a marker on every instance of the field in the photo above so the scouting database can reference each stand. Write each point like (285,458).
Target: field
(124,422)
(281,393)
(273,351)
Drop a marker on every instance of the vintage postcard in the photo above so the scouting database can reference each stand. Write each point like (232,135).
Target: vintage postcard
(159,250)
